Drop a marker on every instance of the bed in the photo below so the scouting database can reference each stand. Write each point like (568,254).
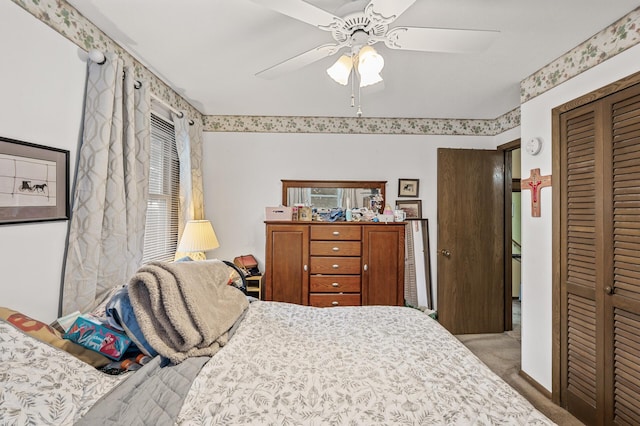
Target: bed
(284,364)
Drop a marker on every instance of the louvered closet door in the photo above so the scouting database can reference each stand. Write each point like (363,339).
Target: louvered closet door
(580,263)
(600,259)
(622,288)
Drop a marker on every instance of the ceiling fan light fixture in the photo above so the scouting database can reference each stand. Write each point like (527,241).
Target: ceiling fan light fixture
(341,70)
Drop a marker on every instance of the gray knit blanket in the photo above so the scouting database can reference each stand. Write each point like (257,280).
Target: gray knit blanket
(185,309)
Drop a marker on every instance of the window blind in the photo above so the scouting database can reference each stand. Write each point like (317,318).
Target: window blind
(161,232)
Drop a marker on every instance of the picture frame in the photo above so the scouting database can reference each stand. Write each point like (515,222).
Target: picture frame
(408,187)
(33,182)
(412,208)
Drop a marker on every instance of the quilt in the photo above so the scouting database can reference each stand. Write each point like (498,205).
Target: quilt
(286,365)
(370,365)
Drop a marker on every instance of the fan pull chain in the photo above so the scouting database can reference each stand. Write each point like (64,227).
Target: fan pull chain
(359,113)
(353,96)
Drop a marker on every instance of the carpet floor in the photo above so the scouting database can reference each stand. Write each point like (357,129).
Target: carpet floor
(501,353)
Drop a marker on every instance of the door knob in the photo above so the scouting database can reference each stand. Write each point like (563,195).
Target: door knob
(608,289)
(445,252)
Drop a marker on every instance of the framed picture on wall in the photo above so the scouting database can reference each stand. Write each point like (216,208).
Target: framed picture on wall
(412,208)
(408,187)
(33,182)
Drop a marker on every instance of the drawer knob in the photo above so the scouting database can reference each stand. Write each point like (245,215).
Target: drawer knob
(336,233)
(335,303)
(335,266)
(336,249)
(335,284)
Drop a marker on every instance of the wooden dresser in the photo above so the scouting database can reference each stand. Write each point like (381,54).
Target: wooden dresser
(335,264)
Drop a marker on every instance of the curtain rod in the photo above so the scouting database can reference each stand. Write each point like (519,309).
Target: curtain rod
(166,105)
(99,58)
(180,114)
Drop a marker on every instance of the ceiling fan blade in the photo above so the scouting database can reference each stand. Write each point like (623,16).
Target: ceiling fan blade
(300,61)
(302,11)
(388,9)
(439,39)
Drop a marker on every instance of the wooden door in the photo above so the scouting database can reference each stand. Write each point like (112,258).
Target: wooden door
(600,259)
(383,265)
(621,286)
(287,258)
(471,240)
(580,261)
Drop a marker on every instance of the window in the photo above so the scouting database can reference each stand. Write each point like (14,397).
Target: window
(161,233)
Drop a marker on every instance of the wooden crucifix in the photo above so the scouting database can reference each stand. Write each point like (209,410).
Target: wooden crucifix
(535,182)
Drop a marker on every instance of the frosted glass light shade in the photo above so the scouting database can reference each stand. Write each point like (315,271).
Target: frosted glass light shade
(341,70)
(369,79)
(370,63)
(198,236)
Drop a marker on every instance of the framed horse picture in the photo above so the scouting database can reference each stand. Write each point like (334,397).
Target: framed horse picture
(33,182)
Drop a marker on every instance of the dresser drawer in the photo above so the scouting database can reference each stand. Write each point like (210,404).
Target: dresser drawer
(335,265)
(335,248)
(335,284)
(336,232)
(328,300)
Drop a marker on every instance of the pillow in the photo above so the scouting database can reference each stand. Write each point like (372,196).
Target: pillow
(44,333)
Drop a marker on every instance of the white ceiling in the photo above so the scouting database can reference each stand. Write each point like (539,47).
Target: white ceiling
(209,51)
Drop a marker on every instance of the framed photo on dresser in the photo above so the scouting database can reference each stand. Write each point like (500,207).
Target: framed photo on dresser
(412,208)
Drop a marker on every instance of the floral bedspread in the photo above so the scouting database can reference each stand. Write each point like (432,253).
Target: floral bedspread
(376,365)
(43,385)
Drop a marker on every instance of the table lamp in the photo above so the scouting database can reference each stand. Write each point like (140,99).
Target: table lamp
(198,236)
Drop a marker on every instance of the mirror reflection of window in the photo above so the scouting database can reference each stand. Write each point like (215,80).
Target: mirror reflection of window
(331,194)
(331,197)
(326,198)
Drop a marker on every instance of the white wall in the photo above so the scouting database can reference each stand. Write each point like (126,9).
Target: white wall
(537,232)
(242,173)
(42,83)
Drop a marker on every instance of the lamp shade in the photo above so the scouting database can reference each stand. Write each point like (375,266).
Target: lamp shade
(341,70)
(198,236)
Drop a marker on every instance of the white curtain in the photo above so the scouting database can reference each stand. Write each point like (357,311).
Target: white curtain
(189,146)
(350,197)
(106,234)
(298,196)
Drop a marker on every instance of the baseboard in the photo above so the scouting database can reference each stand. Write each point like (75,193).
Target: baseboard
(535,384)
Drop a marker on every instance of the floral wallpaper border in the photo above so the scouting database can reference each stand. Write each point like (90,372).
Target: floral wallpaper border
(363,125)
(619,36)
(616,38)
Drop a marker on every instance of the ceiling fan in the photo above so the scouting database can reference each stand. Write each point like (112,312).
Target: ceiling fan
(365,24)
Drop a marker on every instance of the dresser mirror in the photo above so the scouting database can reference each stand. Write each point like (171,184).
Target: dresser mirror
(332,193)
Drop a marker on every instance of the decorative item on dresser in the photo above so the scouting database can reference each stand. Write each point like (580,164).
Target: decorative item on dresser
(335,264)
